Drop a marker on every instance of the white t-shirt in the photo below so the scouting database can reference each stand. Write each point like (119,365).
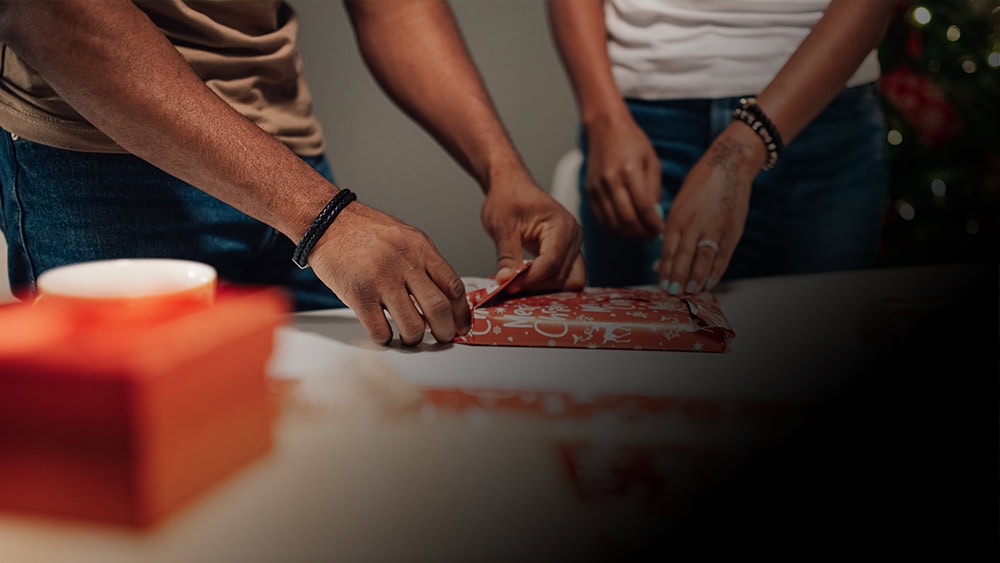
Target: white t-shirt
(675,49)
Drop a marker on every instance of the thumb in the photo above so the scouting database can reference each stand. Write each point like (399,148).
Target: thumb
(509,255)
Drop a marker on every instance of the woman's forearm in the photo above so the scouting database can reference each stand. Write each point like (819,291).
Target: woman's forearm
(581,38)
(823,63)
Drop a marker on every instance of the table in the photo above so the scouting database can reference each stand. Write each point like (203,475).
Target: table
(545,454)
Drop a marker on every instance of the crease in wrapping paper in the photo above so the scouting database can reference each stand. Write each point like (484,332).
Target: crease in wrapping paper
(602,317)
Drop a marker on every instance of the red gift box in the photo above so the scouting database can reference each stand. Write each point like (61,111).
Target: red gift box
(125,423)
(597,317)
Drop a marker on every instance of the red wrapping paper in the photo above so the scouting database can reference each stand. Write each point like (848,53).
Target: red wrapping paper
(597,317)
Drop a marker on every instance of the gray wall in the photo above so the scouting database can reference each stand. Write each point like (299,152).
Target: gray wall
(393,164)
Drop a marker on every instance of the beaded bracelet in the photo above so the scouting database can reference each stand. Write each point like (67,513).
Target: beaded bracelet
(319,226)
(750,113)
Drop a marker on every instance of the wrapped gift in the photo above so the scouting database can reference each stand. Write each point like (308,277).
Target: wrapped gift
(125,423)
(596,317)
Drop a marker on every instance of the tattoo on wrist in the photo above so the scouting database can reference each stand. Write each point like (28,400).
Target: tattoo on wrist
(725,156)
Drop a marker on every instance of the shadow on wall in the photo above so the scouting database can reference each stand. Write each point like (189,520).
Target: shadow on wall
(5,294)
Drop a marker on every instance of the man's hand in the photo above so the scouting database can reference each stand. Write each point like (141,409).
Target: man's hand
(377,263)
(520,216)
(415,51)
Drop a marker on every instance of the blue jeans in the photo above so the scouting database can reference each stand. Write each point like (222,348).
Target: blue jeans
(819,209)
(59,207)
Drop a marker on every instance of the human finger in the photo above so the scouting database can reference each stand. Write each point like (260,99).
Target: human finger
(435,306)
(680,263)
(706,253)
(368,308)
(409,322)
(644,199)
(510,254)
(727,247)
(451,285)
(671,240)
(624,208)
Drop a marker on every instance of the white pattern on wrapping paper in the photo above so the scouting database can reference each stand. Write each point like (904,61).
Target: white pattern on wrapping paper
(480,314)
(668,306)
(588,334)
(612,305)
(557,313)
(611,334)
(555,318)
(532,322)
(670,335)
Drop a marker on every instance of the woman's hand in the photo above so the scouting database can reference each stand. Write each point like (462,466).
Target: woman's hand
(707,217)
(622,184)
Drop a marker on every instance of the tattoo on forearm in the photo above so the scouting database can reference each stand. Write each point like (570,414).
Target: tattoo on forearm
(724,156)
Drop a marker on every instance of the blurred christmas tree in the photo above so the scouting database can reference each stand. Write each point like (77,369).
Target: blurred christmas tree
(941,93)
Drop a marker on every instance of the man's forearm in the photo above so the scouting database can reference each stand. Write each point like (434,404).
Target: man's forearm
(416,52)
(114,67)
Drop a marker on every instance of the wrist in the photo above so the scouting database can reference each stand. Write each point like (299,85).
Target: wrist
(746,151)
(752,117)
(595,121)
(507,177)
(303,209)
(319,226)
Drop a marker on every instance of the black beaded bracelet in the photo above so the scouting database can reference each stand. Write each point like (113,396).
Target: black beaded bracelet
(320,225)
(750,113)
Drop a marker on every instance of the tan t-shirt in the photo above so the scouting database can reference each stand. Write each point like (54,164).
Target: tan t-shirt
(245,51)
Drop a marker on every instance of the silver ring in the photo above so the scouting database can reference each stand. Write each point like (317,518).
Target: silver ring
(709,243)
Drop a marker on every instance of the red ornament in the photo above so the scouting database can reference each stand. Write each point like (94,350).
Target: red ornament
(915,45)
(922,103)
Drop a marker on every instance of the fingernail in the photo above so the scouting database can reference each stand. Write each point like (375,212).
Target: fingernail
(708,282)
(659,237)
(665,285)
(691,287)
(659,210)
(504,273)
(656,266)
(675,288)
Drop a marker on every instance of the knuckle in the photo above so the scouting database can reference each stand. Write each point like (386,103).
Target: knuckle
(366,300)
(438,308)
(455,288)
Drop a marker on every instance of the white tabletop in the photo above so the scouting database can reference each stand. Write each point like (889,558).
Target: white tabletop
(780,322)
(357,475)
